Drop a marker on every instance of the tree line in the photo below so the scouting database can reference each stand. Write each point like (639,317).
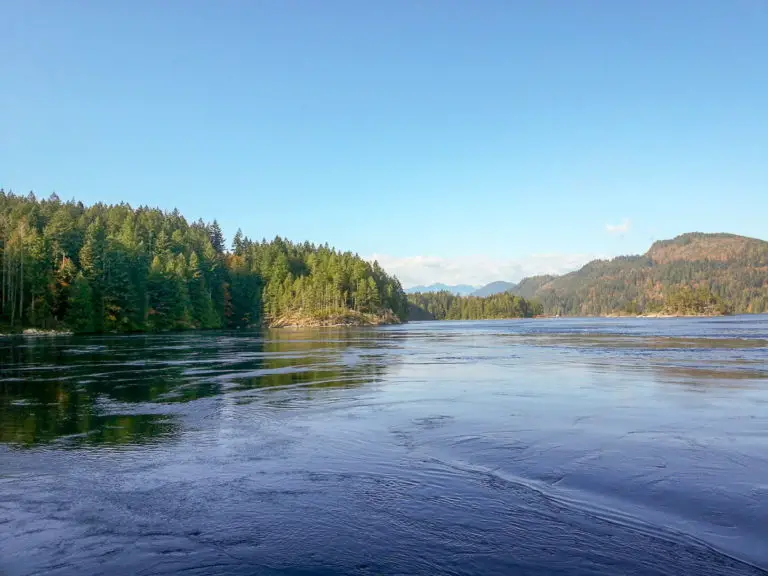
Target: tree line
(689,301)
(445,305)
(114,268)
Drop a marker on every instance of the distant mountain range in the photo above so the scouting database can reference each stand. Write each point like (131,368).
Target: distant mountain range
(460,289)
(494,288)
(735,268)
(465,289)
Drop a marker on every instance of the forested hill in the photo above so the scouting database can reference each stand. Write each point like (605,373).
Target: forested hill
(733,268)
(116,268)
(447,306)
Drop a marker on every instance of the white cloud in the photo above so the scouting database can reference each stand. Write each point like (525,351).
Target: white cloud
(476,270)
(622,228)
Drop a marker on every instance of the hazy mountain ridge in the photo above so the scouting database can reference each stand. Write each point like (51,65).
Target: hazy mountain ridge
(461,289)
(497,287)
(735,268)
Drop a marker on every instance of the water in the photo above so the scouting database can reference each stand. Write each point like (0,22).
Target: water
(510,447)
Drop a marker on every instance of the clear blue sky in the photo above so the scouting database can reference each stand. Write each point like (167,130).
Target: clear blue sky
(437,128)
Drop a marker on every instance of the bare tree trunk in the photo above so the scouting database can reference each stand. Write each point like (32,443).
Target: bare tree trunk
(12,295)
(5,278)
(2,280)
(6,274)
(4,254)
(21,282)
(9,278)
(7,290)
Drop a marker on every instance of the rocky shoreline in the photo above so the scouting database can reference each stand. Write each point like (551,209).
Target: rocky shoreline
(347,318)
(38,332)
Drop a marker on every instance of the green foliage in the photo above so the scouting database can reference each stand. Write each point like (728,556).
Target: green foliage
(445,305)
(687,301)
(733,268)
(120,269)
(79,314)
(305,280)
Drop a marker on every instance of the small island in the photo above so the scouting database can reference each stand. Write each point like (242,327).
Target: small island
(683,301)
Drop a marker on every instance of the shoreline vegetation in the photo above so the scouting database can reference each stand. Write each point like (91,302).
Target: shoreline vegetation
(445,305)
(104,268)
(684,301)
(350,318)
(679,302)
(70,268)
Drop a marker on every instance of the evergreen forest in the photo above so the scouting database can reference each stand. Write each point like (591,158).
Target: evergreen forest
(114,268)
(445,305)
(683,275)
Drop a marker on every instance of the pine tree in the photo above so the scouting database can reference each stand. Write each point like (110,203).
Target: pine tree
(65,276)
(238,244)
(201,307)
(80,313)
(217,238)
(160,316)
(176,278)
(92,262)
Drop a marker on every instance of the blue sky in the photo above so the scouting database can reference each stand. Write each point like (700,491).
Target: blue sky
(456,141)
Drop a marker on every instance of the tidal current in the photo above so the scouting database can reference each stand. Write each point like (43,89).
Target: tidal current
(541,447)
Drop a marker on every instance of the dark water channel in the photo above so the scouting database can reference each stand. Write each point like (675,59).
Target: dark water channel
(523,447)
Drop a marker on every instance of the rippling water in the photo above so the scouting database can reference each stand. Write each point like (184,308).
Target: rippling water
(522,447)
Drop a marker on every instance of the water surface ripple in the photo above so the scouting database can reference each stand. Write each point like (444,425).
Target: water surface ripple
(568,446)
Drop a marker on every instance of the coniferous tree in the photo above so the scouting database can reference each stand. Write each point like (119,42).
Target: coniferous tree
(115,268)
(217,238)
(80,313)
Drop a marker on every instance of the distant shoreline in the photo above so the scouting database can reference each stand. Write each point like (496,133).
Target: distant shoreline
(357,320)
(663,315)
